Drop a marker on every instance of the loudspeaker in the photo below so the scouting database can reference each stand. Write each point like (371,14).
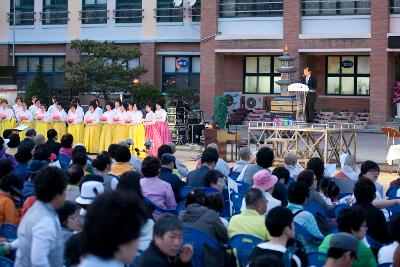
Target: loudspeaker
(195,133)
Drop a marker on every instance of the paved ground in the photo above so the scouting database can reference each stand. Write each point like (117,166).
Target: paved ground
(370,146)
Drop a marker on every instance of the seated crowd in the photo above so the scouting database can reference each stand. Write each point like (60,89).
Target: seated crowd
(70,209)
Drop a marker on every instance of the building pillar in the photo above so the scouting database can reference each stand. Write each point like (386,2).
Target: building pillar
(149,22)
(148,60)
(5,55)
(211,64)
(380,94)
(74,22)
(4,23)
(292,29)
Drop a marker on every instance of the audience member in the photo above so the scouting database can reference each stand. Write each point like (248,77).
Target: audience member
(182,169)
(52,143)
(329,191)
(316,165)
(214,179)
(265,181)
(122,214)
(167,165)
(349,170)
(102,165)
(75,174)
(215,201)
(244,159)
(370,170)
(266,261)
(342,250)
(23,156)
(90,189)
(28,142)
(280,188)
(353,221)
(279,223)
(163,149)
(155,189)
(364,192)
(69,219)
(167,249)
(39,233)
(221,164)
(122,157)
(251,221)
(264,160)
(29,186)
(39,140)
(42,153)
(208,160)
(10,191)
(112,149)
(130,181)
(292,165)
(66,145)
(198,216)
(6,167)
(386,253)
(13,143)
(135,162)
(297,196)
(4,155)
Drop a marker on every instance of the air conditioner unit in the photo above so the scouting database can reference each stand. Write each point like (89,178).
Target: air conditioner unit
(232,100)
(254,101)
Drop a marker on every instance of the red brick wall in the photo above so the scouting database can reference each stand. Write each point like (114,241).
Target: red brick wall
(5,55)
(148,60)
(233,73)
(291,27)
(71,54)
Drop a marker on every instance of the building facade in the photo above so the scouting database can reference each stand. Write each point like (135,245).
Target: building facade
(220,46)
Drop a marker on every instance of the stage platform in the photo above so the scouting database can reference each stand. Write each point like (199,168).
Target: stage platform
(327,141)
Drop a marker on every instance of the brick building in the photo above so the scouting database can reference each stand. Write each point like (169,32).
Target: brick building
(219,46)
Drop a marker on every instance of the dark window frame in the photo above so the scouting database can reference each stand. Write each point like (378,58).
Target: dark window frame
(167,12)
(272,74)
(248,8)
(394,8)
(188,74)
(125,9)
(355,75)
(96,8)
(59,15)
(323,11)
(25,13)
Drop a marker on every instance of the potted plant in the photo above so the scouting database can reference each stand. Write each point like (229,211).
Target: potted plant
(396,97)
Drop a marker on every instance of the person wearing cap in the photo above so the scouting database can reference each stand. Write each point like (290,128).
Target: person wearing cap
(3,154)
(40,241)
(342,251)
(182,169)
(245,157)
(221,164)
(10,191)
(252,220)
(265,181)
(167,165)
(264,159)
(353,221)
(28,141)
(89,191)
(279,223)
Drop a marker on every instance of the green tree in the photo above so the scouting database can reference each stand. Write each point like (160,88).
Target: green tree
(38,87)
(145,92)
(103,70)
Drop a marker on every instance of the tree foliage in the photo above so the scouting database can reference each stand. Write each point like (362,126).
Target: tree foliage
(145,92)
(38,87)
(104,68)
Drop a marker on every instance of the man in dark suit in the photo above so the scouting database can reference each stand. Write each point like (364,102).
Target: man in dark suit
(209,159)
(311,82)
(28,142)
(52,143)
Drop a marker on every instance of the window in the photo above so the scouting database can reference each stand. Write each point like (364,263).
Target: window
(55,12)
(24,12)
(395,6)
(94,12)
(339,7)
(347,75)
(196,11)
(51,66)
(168,12)
(260,75)
(250,8)
(181,72)
(128,11)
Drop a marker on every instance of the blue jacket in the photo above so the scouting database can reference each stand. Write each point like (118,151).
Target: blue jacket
(176,183)
(196,177)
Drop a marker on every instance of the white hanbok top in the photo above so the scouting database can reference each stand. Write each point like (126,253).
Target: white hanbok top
(150,118)
(25,114)
(76,116)
(92,116)
(122,116)
(109,115)
(137,117)
(17,109)
(99,111)
(45,116)
(161,115)
(80,110)
(52,109)
(61,113)
(8,112)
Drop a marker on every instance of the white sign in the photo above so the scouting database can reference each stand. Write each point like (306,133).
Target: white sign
(298,87)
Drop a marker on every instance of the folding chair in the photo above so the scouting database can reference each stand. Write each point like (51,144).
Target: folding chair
(315,208)
(316,259)
(8,231)
(4,262)
(242,246)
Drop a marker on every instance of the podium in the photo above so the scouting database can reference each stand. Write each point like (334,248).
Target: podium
(301,91)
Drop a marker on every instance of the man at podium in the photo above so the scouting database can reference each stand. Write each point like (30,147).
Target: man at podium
(311,82)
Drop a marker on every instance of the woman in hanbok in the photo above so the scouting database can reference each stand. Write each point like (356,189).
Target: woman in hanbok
(35,109)
(92,131)
(75,125)
(99,110)
(17,107)
(53,107)
(136,130)
(25,118)
(117,104)
(107,132)
(152,133)
(59,117)
(162,122)
(42,124)
(122,121)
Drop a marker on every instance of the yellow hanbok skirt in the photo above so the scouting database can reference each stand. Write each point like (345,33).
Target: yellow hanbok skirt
(138,134)
(121,133)
(42,127)
(60,127)
(91,138)
(3,126)
(12,123)
(22,133)
(106,137)
(77,132)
